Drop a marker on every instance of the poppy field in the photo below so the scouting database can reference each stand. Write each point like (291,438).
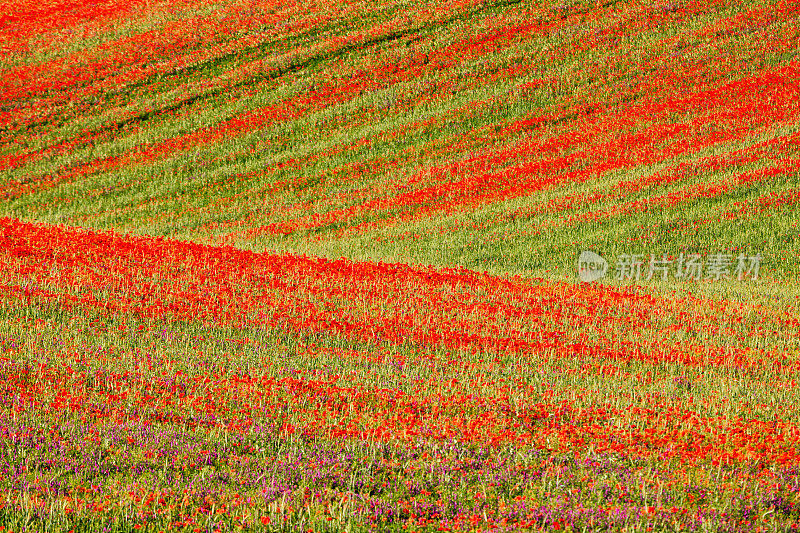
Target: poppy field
(313,266)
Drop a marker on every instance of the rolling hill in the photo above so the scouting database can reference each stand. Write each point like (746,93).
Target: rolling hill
(314,265)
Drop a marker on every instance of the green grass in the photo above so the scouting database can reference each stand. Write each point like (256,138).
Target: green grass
(429,96)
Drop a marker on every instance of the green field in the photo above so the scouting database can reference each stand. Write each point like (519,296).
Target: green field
(315,265)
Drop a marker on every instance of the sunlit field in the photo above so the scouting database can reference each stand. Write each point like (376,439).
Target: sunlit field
(324,266)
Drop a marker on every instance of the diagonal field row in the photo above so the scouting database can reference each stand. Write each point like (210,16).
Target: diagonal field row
(359,136)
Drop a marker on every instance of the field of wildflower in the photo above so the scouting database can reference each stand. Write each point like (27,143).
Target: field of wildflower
(295,265)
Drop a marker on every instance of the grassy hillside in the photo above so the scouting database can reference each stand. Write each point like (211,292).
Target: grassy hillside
(502,136)
(315,265)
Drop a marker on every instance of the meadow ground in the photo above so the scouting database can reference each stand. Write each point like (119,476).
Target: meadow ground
(313,266)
